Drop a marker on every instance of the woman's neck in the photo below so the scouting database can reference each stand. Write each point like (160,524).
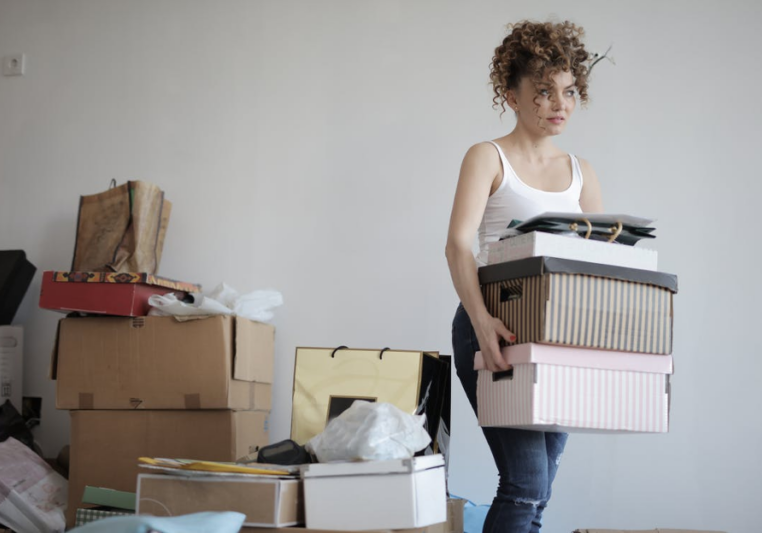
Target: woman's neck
(532,148)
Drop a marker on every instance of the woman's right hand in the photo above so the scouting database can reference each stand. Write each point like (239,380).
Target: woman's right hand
(489,330)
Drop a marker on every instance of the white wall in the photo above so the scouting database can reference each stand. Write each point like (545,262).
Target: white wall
(314,147)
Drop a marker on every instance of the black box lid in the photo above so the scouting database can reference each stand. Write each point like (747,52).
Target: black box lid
(536,266)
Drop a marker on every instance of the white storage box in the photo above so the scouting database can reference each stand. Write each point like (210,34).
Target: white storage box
(11,364)
(558,388)
(375,495)
(538,244)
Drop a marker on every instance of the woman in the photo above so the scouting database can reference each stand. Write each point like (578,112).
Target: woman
(538,71)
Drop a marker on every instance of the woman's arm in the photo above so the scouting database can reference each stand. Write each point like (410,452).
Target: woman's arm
(590,200)
(480,168)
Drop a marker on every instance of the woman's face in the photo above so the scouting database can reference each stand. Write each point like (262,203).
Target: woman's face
(546,107)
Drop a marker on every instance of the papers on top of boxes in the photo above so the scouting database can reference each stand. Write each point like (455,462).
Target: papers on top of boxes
(554,388)
(356,496)
(219,362)
(197,468)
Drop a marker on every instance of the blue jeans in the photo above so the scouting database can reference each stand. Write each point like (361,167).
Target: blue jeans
(527,461)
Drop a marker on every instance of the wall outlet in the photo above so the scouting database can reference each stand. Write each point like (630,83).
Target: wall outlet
(14,65)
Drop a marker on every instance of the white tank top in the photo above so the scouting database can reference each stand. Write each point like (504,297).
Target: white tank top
(514,199)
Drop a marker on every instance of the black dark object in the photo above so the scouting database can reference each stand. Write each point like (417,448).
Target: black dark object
(13,425)
(286,452)
(16,274)
(537,266)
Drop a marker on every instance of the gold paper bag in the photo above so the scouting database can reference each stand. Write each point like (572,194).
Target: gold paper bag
(328,380)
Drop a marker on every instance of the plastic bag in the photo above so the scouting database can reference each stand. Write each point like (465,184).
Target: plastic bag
(223,300)
(32,495)
(370,431)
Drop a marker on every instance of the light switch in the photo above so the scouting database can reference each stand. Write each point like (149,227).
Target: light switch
(14,65)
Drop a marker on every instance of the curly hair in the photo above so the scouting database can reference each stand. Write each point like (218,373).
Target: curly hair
(538,51)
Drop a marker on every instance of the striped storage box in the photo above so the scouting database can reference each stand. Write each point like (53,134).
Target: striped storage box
(575,303)
(85,516)
(556,388)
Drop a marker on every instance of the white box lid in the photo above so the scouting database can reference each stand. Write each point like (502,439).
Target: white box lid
(364,468)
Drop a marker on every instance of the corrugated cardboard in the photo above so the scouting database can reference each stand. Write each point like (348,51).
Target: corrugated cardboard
(574,303)
(327,381)
(538,244)
(161,363)
(107,293)
(105,445)
(11,364)
(557,388)
(395,494)
(266,502)
(454,524)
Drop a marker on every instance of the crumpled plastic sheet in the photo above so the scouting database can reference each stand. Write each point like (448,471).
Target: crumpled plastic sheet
(370,431)
(223,300)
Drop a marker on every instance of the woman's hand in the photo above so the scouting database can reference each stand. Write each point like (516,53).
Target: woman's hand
(489,330)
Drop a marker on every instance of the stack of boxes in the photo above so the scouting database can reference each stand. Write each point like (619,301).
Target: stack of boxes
(158,387)
(594,339)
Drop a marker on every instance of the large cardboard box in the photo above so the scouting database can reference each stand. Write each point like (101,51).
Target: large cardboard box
(575,303)
(218,362)
(356,496)
(557,388)
(266,501)
(11,364)
(454,524)
(106,445)
(107,293)
(538,244)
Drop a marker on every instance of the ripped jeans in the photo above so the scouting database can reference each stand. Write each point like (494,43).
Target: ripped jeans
(527,461)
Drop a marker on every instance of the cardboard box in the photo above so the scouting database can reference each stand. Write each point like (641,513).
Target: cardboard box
(356,496)
(454,524)
(107,293)
(266,501)
(106,445)
(538,244)
(16,273)
(161,363)
(11,364)
(555,388)
(327,381)
(574,303)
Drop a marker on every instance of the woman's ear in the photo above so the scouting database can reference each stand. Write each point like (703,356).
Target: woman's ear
(511,99)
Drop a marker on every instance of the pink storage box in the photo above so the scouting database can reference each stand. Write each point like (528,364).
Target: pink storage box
(559,388)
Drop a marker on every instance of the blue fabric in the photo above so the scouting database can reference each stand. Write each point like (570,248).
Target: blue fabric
(227,522)
(527,461)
